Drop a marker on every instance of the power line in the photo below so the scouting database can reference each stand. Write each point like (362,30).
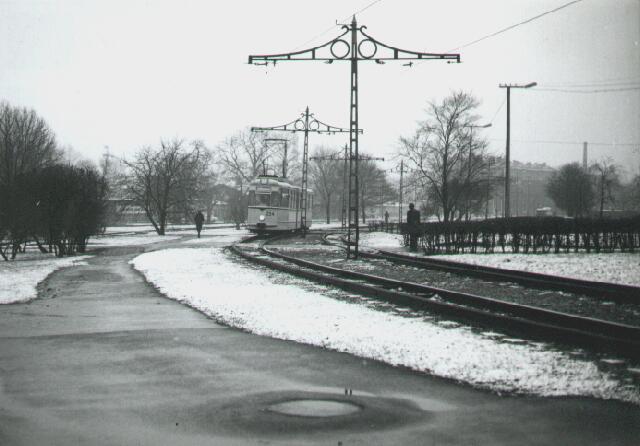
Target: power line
(361,10)
(566,5)
(594,84)
(602,90)
(498,110)
(336,24)
(608,144)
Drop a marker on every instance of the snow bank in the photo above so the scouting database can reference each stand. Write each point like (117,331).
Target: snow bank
(252,299)
(19,278)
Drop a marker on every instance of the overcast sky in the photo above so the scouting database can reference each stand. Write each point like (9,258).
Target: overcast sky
(125,74)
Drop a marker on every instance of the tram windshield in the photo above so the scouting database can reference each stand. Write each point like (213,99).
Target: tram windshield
(259,199)
(275,199)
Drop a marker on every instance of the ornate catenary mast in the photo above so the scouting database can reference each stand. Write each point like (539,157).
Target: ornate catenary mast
(353,45)
(305,123)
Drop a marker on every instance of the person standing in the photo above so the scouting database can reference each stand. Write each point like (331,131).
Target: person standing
(199,219)
(413,226)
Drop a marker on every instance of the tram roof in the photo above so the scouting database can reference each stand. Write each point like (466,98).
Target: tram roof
(272,180)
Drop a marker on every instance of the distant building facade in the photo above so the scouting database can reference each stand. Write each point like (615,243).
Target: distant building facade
(528,188)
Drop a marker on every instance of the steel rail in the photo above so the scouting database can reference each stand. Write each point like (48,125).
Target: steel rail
(513,318)
(603,290)
(609,291)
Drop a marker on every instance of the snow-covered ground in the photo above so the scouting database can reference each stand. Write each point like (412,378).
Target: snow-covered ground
(317,224)
(19,278)
(610,267)
(219,236)
(128,240)
(276,305)
(380,240)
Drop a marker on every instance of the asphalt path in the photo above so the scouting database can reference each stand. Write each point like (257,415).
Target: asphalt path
(101,357)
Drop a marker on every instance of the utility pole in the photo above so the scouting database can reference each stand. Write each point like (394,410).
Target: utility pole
(402,171)
(305,123)
(507,171)
(362,47)
(284,159)
(486,206)
(345,158)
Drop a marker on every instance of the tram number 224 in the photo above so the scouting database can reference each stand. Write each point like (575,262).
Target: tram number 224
(270,213)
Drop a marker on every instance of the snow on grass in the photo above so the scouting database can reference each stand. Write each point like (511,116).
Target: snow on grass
(381,240)
(325,225)
(134,228)
(128,240)
(19,278)
(223,239)
(213,231)
(252,300)
(617,267)
(142,228)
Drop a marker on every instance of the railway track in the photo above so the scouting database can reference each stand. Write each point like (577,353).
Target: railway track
(610,291)
(521,320)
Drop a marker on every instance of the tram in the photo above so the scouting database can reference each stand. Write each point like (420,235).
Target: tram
(275,205)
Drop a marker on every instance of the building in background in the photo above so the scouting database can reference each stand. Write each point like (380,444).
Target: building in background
(528,188)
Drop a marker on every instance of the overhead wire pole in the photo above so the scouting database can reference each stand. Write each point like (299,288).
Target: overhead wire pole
(344,186)
(364,49)
(507,170)
(402,171)
(305,123)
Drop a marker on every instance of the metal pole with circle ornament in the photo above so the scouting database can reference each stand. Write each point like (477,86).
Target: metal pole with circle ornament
(305,123)
(353,45)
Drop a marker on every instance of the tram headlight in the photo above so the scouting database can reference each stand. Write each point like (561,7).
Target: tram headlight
(261,218)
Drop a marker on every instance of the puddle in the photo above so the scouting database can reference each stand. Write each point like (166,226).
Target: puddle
(315,408)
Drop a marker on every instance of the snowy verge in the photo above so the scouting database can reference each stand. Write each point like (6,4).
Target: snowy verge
(128,240)
(617,267)
(278,306)
(19,278)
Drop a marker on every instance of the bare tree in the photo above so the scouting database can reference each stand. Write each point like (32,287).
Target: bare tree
(167,179)
(447,155)
(245,155)
(27,145)
(326,177)
(373,185)
(607,177)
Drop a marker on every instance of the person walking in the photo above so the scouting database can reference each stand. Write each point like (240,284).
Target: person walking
(199,219)
(413,226)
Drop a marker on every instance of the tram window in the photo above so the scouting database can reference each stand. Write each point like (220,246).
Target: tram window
(263,199)
(285,198)
(275,199)
(252,198)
